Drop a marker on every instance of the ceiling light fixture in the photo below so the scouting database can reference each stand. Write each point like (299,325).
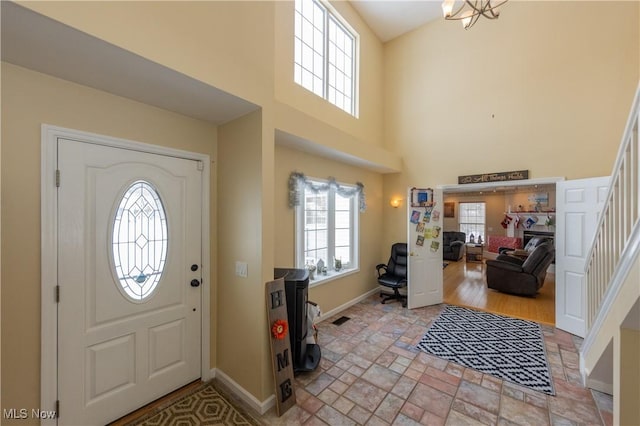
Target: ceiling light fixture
(471,10)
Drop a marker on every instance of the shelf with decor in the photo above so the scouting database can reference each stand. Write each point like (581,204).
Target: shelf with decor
(514,222)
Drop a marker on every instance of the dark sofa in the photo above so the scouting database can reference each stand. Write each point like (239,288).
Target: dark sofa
(453,245)
(509,274)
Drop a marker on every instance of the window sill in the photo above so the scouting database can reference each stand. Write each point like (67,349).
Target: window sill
(331,276)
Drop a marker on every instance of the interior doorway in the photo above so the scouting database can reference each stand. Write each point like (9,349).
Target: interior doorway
(507,204)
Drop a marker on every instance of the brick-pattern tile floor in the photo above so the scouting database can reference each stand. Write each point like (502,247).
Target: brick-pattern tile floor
(372,373)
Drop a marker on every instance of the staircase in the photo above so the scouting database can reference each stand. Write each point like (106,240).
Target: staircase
(610,354)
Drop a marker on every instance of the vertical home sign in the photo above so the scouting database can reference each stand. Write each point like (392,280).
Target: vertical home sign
(281,357)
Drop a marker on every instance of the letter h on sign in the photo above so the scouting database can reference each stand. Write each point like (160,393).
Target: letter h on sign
(277,299)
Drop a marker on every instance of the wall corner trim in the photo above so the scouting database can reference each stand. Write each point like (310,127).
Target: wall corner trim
(248,398)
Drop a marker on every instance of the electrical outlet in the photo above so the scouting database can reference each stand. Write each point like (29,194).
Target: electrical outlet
(242,269)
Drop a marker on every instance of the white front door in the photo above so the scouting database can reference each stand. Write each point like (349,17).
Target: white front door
(129,271)
(424,233)
(578,204)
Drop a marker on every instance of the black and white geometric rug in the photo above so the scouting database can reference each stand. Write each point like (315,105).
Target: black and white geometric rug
(507,348)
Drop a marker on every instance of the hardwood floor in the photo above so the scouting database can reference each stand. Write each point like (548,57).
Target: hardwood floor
(465,285)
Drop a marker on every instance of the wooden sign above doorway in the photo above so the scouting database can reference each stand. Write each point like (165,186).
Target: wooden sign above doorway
(494,177)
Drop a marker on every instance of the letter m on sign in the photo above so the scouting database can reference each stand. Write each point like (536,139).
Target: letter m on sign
(283,359)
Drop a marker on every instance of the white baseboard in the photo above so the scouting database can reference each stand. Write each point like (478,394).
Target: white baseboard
(600,386)
(344,306)
(264,406)
(242,393)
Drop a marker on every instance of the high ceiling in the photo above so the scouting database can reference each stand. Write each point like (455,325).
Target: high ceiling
(391,18)
(36,42)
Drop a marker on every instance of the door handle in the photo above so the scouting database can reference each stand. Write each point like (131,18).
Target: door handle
(195,283)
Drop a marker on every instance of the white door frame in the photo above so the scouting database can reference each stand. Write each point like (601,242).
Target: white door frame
(49,249)
(487,186)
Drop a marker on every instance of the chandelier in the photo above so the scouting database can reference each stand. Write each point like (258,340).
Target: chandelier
(471,10)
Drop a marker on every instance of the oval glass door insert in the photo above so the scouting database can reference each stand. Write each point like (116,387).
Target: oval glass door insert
(140,240)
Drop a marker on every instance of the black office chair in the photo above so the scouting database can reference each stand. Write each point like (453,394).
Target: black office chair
(394,273)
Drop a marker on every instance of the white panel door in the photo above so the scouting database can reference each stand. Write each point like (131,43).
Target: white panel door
(122,346)
(424,276)
(578,204)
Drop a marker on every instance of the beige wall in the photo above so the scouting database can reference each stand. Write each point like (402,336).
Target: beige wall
(340,291)
(242,47)
(545,88)
(514,200)
(28,100)
(228,44)
(626,405)
(241,300)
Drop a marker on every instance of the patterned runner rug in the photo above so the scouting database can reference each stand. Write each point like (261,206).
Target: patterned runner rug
(205,406)
(507,348)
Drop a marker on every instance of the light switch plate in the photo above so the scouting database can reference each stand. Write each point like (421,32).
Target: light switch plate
(242,269)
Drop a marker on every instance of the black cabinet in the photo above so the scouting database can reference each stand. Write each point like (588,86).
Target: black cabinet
(305,356)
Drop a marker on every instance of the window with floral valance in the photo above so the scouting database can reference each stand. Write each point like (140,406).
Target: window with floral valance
(326,225)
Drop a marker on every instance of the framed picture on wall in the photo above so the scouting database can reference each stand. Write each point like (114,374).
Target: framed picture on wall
(450,209)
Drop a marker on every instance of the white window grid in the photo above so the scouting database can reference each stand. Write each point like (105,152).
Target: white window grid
(325,52)
(327,229)
(472,219)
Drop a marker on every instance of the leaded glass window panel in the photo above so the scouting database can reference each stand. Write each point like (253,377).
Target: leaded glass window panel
(139,241)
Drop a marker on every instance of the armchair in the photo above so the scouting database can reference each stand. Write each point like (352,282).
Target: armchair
(532,244)
(453,245)
(524,277)
(394,274)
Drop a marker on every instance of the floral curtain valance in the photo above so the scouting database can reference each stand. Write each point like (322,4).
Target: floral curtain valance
(298,182)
